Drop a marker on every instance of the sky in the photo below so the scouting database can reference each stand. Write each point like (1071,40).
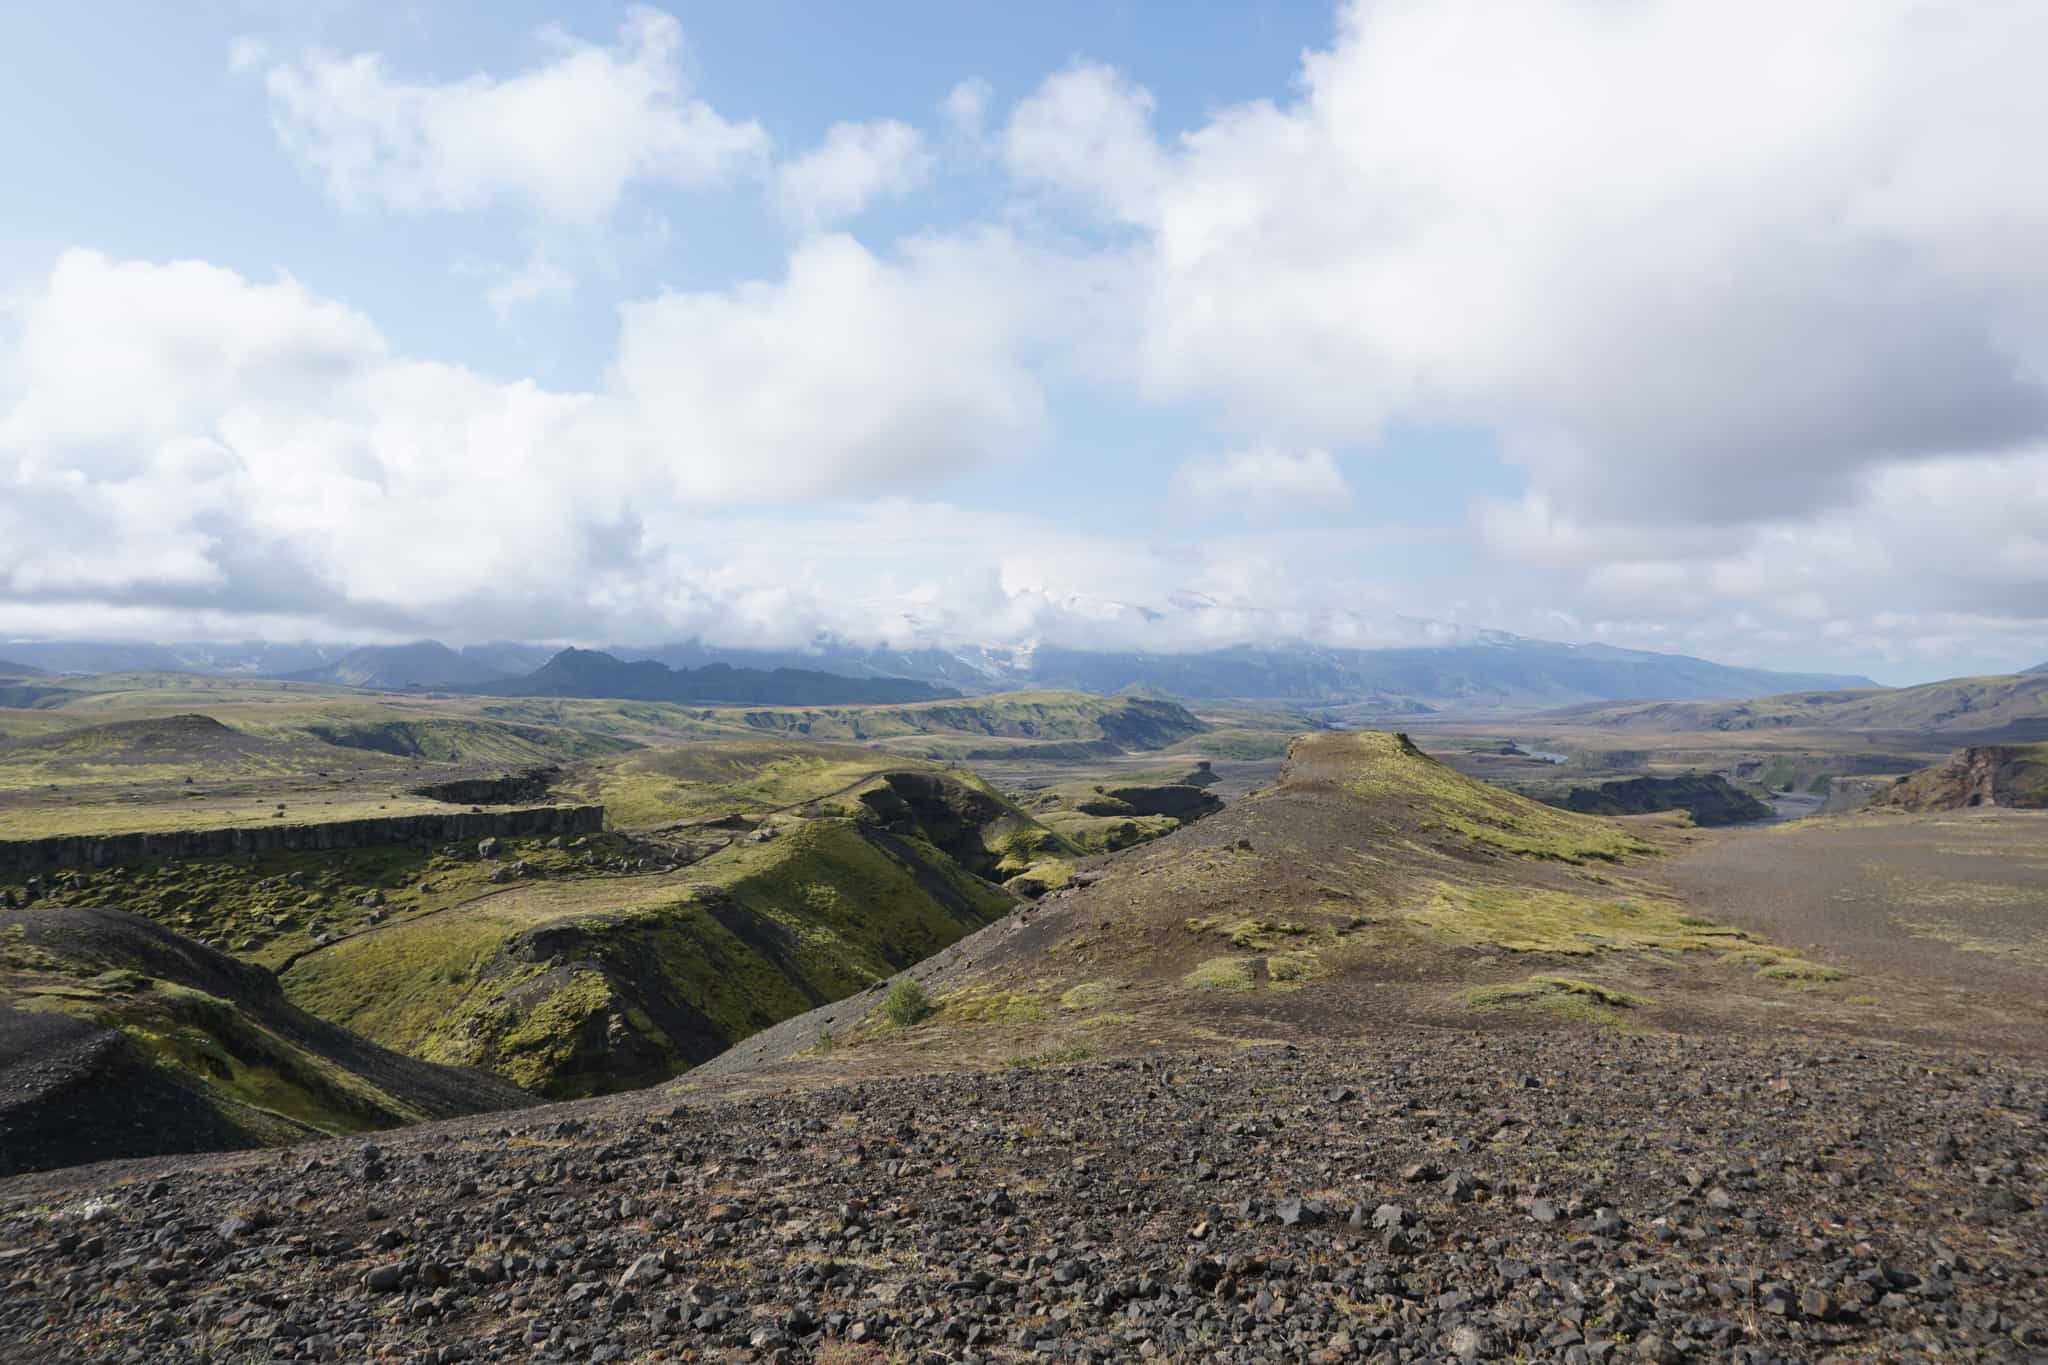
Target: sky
(1712,326)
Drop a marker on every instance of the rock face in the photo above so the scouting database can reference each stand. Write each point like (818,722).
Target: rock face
(20,856)
(1709,798)
(1991,775)
(530,784)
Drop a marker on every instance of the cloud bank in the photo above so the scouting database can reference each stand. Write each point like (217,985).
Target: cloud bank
(1749,294)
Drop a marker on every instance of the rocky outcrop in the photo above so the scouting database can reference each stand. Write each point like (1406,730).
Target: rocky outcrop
(529,784)
(1709,798)
(20,856)
(1987,775)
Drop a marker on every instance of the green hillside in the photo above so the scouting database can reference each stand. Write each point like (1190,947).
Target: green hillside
(121,1008)
(1955,705)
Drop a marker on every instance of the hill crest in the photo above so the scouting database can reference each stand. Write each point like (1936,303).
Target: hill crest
(593,673)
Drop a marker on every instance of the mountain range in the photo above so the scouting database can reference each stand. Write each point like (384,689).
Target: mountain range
(592,673)
(1485,671)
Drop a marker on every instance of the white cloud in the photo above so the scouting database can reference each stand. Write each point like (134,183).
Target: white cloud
(1262,481)
(853,165)
(565,139)
(1086,130)
(966,108)
(181,438)
(1692,262)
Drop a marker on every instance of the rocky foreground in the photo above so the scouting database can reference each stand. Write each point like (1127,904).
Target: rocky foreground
(1433,1196)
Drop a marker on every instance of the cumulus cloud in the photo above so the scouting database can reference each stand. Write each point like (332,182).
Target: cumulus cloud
(1691,262)
(1717,277)
(565,139)
(1263,481)
(853,165)
(182,437)
(1087,131)
(1748,292)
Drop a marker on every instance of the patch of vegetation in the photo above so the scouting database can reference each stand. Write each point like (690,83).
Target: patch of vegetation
(1222,974)
(270,906)
(1567,997)
(1533,920)
(1068,1054)
(907,1004)
(1088,995)
(687,963)
(1253,932)
(988,1005)
(451,740)
(1042,877)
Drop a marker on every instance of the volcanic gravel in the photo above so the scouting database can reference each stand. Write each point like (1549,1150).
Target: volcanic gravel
(1431,1196)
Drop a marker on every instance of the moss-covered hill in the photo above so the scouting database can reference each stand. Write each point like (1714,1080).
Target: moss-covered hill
(1952,706)
(573,988)
(1370,884)
(119,1037)
(989,726)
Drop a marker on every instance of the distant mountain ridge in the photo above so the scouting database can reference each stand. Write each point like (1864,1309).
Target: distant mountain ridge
(593,673)
(1493,670)
(2016,704)
(1486,670)
(424,663)
(2037,668)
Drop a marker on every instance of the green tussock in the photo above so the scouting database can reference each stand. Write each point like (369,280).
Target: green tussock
(1255,933)
(1570,998)
(1088,995)
(1221,974)
(1066,1055)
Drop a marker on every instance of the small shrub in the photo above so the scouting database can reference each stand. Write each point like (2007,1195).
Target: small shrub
(907,1003)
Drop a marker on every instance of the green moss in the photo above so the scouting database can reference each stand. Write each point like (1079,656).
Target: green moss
(1067,1055)
(214,1043)
(1799,972)
(1221,974)
(1253,932)
(1387,769)
(1294,968)
(1529,920)
(988,1005)
(1039,878)
(1568,997)
(752,935)
(1088,995)
(541,1044)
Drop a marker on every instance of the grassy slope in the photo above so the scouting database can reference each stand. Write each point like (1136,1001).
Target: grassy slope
(221,1028)
(570,989)
(1370,883)
(1959,704)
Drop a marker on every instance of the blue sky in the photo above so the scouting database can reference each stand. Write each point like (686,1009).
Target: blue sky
(1716,330)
